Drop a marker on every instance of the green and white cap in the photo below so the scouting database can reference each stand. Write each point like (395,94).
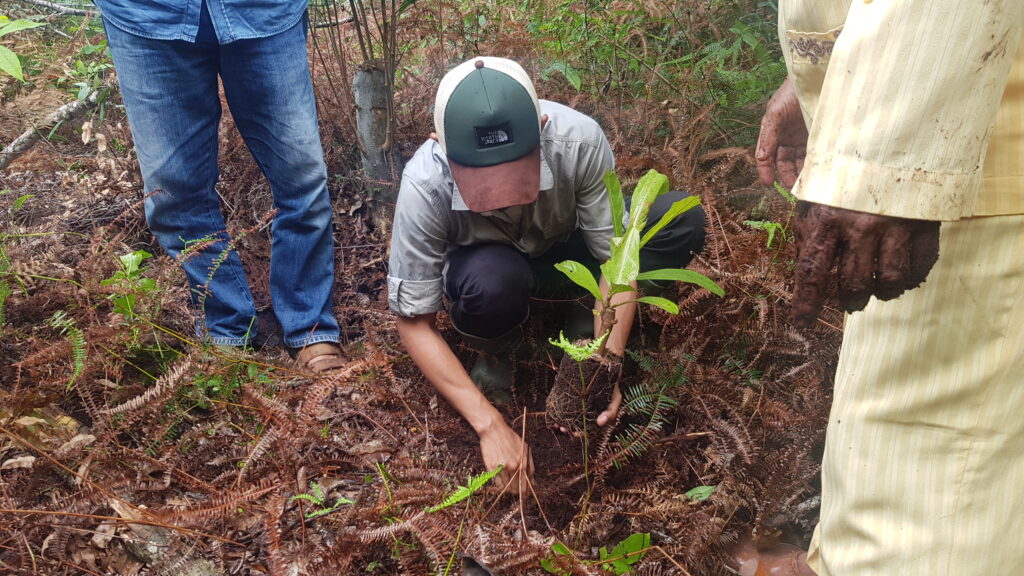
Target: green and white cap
(487,120)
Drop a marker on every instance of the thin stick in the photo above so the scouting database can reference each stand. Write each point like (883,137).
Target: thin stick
(140,521)
(62,9)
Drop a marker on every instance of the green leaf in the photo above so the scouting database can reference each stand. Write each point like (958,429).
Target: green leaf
(20,202)
(768,226)
(132,261)
(663,303)
(614,187)
(15,25)
(627,553)
(578,353)
(551,565)
(405,4)
(573,76)
(614,289)
(579,274)
(785,193)
(701,493)
(9,63)
(652,185)
(308,497)
(683,275)
(675,210)
(462,492)
(624,265)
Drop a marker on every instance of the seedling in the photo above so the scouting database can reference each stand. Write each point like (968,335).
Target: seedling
(129,281)
(316,496)
(474,484)
(622,270)
(620,560)
(575,399)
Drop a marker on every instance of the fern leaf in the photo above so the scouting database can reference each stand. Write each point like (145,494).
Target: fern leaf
(462,492)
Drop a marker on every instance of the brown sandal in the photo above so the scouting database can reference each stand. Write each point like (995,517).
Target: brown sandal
(320,357)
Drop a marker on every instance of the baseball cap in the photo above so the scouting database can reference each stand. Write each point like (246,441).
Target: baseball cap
(487,120)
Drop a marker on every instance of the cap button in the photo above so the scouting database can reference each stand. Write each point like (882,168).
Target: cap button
(479,64)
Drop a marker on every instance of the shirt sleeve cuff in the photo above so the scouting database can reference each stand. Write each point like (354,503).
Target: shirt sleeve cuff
(917,193)
(411,298)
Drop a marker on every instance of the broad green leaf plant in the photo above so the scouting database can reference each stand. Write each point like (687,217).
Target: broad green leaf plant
(9,62)
(622,270)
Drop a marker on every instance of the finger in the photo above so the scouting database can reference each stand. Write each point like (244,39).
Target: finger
(924,251)
(612,412)
(817,241)
(504,481)
(767,145)
(786,165)
(892,273)
(857,255)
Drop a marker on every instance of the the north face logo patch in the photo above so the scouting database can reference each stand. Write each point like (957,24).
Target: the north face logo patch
(492,136)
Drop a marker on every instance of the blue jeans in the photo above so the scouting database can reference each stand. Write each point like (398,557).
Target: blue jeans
(170,93)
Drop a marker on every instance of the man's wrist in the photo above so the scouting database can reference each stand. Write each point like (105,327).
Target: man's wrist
(486,420)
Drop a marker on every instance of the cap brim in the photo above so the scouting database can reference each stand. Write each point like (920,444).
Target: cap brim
(513,183)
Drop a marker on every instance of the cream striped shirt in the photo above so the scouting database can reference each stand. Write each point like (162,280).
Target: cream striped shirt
(904,98)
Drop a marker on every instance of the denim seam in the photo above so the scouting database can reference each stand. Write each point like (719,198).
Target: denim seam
(223,341)
(310,340)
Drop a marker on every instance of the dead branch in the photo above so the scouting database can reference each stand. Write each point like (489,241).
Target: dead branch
(65,113)
(61,9)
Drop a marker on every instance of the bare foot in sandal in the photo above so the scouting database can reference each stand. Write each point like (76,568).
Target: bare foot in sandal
(320,357)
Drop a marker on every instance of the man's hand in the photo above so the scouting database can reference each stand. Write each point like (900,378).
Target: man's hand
(782,143)
(612,412)
(500,445)
(881,256)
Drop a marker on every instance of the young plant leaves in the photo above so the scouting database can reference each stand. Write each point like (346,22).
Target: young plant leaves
(579,274)
(578,353)
(683,275)
(626,553)
(675,210)
(624,264)
(663,303)
(611,182)
(652,185)
(701,493)
(462,492)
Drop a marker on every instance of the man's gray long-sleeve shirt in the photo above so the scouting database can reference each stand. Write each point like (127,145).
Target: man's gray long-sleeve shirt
(431,218)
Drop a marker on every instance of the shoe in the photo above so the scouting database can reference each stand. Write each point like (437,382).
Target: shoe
(320,357)
(778,559)
(492,372)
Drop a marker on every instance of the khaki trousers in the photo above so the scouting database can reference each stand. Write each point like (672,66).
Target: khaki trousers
(923,470)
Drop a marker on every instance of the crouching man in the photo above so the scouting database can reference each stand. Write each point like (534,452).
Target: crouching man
(506,186)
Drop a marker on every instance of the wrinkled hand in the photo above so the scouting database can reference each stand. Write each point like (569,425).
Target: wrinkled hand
(782,143)
(500,445)
(881,256)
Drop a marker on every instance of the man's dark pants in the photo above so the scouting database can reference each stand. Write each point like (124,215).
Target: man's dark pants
(489,285)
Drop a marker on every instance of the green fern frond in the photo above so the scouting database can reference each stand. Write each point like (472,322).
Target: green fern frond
(462,492)
(67,327)
(5,291)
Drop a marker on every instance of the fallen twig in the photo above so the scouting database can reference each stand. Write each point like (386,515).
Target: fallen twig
(67,112)
(61,9)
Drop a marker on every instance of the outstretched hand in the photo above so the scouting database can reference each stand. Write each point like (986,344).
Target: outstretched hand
(881,256)
(501,446)
(782,143)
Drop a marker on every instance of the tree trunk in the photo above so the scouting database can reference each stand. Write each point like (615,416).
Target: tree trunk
(382,167)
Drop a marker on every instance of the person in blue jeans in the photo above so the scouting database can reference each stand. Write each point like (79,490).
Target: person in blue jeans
(168,56)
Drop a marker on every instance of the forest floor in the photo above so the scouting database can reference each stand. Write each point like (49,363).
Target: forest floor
(127,447)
